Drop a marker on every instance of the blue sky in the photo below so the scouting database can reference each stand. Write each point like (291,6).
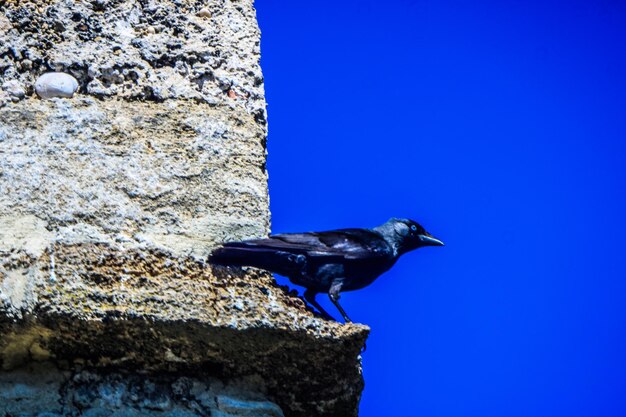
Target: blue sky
(501,127)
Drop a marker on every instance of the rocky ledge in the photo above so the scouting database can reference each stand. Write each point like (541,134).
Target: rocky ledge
(123,320)
(111,199)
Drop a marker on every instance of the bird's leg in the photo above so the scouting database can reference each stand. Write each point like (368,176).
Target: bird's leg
(309,295)
(333,294)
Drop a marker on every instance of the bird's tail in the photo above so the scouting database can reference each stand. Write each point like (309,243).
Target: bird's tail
(243,254)
(235,254)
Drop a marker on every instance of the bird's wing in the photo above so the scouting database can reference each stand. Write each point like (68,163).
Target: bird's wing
(347,244)
(288,254)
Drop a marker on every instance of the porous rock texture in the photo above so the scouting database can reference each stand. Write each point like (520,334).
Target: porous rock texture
(110,203)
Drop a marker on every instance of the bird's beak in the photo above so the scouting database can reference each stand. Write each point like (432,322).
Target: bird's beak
(428,240)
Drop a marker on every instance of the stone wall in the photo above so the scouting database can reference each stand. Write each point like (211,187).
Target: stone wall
(110,202)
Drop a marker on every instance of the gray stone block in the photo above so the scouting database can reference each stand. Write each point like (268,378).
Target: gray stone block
(111,201)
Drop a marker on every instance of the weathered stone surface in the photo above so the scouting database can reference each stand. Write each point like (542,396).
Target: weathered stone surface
(178,175)
(24,391)
(110,203)
(147,49)
(147,310)
(44,390)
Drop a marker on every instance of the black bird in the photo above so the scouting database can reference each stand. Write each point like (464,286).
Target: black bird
(329,262)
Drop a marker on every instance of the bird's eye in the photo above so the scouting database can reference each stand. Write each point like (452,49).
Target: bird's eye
(413,227)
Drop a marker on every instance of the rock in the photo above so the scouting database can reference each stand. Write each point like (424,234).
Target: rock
(239,407)
(56,84)
(14,88)
(110,204)
(32,390)
(204,12)
(96,412)
(38,392)
(149,40)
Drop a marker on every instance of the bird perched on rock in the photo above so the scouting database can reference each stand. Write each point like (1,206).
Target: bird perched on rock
(329,262)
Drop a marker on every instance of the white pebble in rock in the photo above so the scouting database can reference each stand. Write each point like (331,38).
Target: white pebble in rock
(56,84)
(204,13)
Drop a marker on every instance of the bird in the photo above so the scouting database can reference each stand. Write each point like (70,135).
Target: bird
(331,261)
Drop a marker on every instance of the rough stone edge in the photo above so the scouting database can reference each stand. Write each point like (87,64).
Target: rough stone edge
(152,343)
